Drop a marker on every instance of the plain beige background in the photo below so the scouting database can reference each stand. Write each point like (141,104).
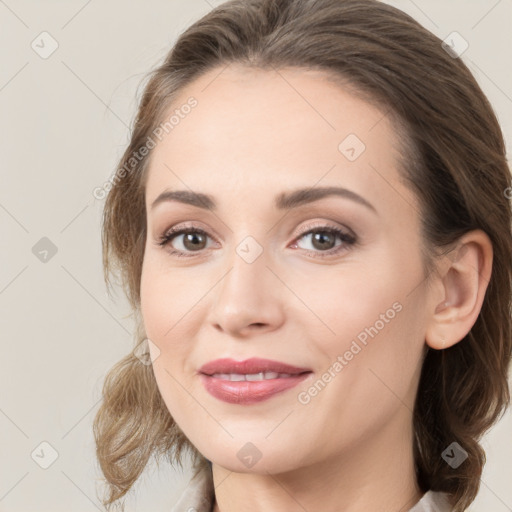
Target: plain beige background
(65,122)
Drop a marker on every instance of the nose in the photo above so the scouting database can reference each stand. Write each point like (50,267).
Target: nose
(248,299)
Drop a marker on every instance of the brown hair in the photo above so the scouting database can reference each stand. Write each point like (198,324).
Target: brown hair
(456,164)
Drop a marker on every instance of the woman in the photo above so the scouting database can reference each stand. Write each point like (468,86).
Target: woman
(313,226)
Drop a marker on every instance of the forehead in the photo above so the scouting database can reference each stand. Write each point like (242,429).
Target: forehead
(255,130)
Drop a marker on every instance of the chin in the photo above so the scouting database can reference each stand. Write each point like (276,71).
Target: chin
(249,458)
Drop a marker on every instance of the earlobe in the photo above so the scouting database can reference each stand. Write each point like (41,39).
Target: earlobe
(463,277)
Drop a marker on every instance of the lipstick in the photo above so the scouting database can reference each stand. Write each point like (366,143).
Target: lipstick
(250,381)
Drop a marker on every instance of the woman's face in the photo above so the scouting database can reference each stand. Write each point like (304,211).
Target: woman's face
(261,275)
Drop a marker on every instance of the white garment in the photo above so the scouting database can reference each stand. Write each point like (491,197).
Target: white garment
(199,497)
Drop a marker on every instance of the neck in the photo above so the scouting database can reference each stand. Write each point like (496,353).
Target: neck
(373,474)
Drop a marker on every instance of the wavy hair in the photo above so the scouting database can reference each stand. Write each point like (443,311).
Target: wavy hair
(455,162)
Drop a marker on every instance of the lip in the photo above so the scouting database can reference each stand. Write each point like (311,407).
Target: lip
(252,365)
(249,392)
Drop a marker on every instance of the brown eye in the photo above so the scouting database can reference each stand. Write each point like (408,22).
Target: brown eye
(185,242)
(192,240)
(323,240)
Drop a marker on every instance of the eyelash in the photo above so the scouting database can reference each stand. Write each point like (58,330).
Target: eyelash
(347,239)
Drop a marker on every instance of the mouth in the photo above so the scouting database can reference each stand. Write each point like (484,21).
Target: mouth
(251,367)
(250,381)
(253,377)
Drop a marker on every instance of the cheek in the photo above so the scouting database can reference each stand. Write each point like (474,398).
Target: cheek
(164,313)
(171,304)
(369,362)
(367,315)
(151,297)
(339,305)
(166,299)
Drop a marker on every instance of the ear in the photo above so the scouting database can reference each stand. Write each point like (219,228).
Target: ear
(459,290)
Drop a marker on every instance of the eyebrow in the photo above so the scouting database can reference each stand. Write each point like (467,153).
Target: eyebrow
(283,201)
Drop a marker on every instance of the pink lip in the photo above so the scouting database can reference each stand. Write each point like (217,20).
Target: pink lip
(248,392)
(252,365)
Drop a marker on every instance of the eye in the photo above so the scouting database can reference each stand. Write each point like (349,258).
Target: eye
(193,240)
(322,240)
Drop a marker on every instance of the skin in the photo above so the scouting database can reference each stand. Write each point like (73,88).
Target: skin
(253,135)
